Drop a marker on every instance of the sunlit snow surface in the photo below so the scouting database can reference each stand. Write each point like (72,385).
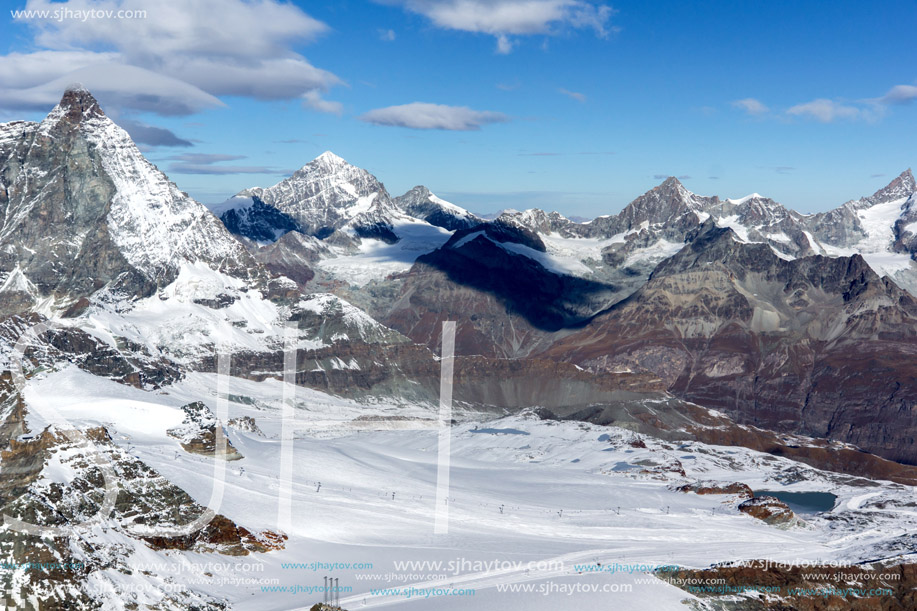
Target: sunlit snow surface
(878,223)
(558,483)
(376,260)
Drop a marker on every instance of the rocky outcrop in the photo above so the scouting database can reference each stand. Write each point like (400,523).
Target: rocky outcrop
(201,433)
(129,364)
(76,562)
(427,296)
(768,509)
(258,221)
(221,535)
(765,586)
(246,424)
(665,417)
(713,487)
(293,256)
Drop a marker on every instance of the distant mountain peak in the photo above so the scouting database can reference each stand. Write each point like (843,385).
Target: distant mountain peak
(906,181)
(421,203)
(330,159)
(76,105)
(84,209)
(901,187)
(324,196)
(420,190)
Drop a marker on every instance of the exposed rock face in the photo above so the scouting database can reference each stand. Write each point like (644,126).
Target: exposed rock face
(817,346)
(199,433)
(257,221)
(768,509)
(82,210)
(488,279)
(880,223)
(485,324)
(330,198)
(844,226)
(411,372)
(292,256)
(132,365)
(330,319)
(800,588)
(224,536)
(420,203)
(631,244)
(80,560)
(685,298)
(246,424)
(713,487)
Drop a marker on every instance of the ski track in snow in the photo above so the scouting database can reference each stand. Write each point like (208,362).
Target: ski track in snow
(534,469)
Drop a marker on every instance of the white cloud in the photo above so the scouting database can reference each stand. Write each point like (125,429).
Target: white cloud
(419,115)
(217,28)
(504,44)
(208,164)
(751,106)
(503,18)
(387,35)
(26,70)
(827,111)
(579,97)
(899,94)
(216,47)
(141,133)
(269,79)
(313,100)
(116,86)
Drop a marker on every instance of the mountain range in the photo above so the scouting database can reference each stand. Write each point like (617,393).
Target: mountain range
(793,326)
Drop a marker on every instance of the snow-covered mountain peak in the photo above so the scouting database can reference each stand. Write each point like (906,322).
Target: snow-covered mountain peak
(670,183)
(418,192)
(330,159)
(422,204)
(324,196)
(83,196)
(756,209)
(329,164)
(903,185)
(326,181)
(742,200)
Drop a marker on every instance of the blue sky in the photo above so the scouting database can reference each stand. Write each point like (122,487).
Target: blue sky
(571,105)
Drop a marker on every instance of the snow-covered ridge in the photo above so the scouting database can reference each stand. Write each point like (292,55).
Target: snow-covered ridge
(15,130)
(742,200)
(155,225)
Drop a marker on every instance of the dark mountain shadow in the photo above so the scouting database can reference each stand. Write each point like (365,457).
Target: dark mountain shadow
(260,222)
(481,257)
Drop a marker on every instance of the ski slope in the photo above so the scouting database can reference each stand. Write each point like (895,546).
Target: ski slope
(530,501)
